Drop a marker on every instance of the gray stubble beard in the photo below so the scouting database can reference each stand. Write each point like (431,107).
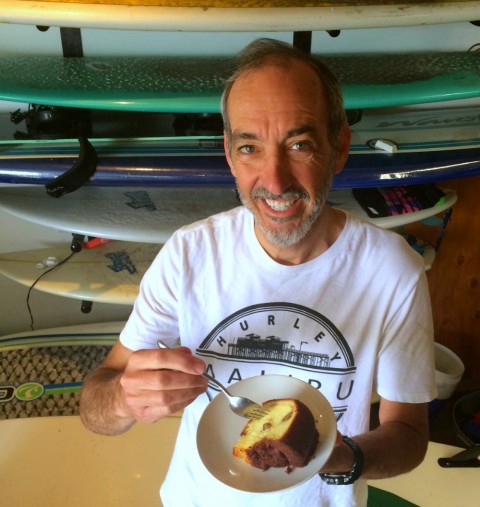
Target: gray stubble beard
(293,237)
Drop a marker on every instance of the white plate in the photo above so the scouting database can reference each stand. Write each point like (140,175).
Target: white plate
(220,428)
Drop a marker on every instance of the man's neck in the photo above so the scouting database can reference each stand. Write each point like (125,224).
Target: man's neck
(320,238)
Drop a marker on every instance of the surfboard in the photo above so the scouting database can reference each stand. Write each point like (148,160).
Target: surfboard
(143,164)
(110,273)
(135,463)
(151,215)
(236,15)
(195,84)
(343,199)
(130,214)
(59,457)
(43,371)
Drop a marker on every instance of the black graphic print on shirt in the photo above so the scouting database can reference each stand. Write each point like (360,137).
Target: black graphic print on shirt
(286,339)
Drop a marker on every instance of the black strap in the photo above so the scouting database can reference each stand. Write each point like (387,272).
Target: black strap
(81,171)
(303,41)
(71,42)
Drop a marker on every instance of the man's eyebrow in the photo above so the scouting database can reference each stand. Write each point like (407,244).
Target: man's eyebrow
(298,131)
(244,135)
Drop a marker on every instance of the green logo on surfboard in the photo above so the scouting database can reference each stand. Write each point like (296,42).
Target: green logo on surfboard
(29,391)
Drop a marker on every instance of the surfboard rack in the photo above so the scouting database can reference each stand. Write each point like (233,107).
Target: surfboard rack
(203,124)
(44,122)
(86,306)
(77,242)
(51,122)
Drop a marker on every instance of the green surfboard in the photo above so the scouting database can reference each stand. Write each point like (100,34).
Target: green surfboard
(173,84)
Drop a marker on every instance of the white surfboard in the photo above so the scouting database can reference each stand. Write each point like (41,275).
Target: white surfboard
(91,275)
(61,460)
(128,214)
(110,273)
(153,214)
(424,128)
(235,15)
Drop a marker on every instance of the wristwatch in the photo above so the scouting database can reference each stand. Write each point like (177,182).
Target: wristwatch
(344,478)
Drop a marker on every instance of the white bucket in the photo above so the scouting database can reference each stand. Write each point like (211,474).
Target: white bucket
(449,369)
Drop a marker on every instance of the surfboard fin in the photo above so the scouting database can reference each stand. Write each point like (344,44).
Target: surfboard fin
(81,171)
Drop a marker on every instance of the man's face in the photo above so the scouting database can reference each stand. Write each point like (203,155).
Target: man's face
(279,152)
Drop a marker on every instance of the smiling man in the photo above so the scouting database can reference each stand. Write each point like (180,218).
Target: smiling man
(282,157)
(284,285)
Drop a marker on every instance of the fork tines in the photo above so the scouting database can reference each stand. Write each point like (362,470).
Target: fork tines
(256,412)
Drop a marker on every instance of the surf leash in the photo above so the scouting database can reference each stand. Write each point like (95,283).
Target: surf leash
(38,279)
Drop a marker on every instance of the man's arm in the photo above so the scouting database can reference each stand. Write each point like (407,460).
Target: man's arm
(145,385)
(396,446)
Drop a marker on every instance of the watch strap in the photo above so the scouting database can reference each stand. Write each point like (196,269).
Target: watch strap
(345,478)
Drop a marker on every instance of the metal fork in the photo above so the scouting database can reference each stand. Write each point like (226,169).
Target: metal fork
(240,405)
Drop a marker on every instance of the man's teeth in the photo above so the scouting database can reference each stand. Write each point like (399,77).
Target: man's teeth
(279,205)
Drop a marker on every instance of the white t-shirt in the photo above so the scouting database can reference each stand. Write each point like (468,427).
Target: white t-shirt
(361,308)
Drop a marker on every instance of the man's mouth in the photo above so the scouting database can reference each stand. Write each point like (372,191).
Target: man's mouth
(280,204)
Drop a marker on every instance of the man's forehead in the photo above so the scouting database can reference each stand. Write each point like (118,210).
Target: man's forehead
(292,70)
(295,84)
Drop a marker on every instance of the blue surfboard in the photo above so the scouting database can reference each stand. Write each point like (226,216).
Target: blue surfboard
(207,167)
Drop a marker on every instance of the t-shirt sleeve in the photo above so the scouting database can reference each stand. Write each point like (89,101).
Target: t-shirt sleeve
(406,365)
(155,314)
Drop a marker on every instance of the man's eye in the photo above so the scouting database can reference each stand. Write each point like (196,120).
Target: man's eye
(301,150)
(301,146)
(247,149)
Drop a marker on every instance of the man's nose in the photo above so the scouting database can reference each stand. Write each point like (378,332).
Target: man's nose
(276,173)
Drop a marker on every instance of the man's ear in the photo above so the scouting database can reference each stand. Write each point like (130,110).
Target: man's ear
(343,148)
(228,153)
